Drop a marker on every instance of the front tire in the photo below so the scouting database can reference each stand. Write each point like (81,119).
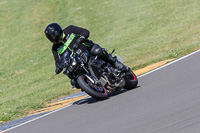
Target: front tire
(98,92)
(131,80)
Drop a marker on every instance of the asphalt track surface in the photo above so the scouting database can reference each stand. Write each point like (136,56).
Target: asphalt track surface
(166,100)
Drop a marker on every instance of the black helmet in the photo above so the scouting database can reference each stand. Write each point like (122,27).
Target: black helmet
(54,32)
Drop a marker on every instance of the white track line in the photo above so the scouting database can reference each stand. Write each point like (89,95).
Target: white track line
(168,64)
(36,118)
(72,103)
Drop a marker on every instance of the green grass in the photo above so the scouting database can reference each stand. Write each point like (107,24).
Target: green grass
(141,31)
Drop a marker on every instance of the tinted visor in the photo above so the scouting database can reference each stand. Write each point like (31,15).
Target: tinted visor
(54,33)
(58,38)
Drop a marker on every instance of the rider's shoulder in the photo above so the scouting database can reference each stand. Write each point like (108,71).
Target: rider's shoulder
(70,26)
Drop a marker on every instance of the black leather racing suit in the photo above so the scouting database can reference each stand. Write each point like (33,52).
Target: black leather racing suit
(80,32)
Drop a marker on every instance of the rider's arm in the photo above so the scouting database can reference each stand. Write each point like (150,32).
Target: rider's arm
(77,30)
(56,58)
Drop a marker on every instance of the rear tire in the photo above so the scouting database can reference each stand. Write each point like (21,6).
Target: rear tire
(98,92)
(131,81)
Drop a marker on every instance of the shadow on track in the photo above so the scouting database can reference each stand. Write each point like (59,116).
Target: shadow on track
(91,100)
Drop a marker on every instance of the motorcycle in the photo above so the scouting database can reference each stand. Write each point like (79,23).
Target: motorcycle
(95,76)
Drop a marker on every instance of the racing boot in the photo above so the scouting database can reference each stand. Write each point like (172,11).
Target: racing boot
(96,50)
(117,64)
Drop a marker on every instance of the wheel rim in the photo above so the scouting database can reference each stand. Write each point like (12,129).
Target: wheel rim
(131,77)
(100,89)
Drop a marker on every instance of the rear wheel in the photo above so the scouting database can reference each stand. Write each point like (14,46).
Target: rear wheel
(98,92)
(131,80)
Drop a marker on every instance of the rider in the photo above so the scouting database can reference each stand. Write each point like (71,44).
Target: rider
(73,37)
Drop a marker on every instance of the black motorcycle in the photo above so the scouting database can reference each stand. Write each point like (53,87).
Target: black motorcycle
(95,76)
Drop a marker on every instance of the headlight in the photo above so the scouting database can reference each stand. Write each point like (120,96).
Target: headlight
(74,62)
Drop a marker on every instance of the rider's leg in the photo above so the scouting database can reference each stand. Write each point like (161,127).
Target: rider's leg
(96,50)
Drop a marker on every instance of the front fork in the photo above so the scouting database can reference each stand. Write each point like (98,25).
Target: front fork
(89,76)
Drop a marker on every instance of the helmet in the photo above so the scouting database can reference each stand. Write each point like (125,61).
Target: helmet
(54,33)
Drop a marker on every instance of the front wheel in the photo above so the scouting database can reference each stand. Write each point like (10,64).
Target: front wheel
(131,80)
(98,92)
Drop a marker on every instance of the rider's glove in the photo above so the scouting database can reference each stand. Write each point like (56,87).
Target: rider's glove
(76,45)
(78,42)
(80,39)
(58,70)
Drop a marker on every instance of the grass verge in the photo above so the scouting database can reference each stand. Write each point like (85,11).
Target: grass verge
(143,32)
